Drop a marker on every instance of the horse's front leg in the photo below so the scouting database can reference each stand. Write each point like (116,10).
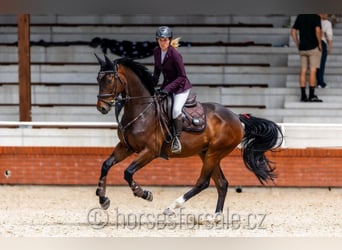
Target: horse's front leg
(143,158)
(120,153)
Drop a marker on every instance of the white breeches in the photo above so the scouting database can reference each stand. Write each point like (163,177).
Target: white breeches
(178,103)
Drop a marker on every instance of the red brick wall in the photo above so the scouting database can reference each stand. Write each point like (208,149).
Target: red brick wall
(312,167)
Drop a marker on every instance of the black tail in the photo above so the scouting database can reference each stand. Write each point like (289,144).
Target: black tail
(260,136)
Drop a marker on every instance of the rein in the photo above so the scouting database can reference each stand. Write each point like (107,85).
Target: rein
(134,120)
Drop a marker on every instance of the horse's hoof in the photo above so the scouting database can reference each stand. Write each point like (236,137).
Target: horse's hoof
(148,195)
(105,204)
(208,220)
(169,212)
(218,218)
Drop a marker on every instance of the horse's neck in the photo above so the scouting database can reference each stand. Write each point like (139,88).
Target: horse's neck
(139,100)
(135,88)
(138,115)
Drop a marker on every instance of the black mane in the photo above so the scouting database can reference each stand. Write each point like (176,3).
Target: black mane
(140,70)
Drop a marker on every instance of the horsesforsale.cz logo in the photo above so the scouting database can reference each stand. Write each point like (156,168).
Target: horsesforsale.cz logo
(98,218)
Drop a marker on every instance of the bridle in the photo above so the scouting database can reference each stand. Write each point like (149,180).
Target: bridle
(117,101)
(117,80)
(103,73)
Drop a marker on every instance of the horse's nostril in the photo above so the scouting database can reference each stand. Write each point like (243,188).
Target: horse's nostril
(104,110)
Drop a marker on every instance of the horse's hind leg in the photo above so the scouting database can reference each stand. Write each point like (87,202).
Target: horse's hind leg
(221,184)
(201,184)
(120,153)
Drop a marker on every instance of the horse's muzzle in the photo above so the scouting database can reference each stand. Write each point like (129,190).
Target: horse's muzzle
(103,107)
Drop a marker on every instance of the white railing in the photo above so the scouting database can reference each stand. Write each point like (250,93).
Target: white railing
(296,135)
(304,135)
(58,124)
(74,134)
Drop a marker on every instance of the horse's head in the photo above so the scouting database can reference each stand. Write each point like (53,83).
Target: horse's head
(110,86)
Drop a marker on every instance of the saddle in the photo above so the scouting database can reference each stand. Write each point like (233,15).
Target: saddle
(194,118)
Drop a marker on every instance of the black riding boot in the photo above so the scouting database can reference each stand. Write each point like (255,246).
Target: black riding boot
(176,146)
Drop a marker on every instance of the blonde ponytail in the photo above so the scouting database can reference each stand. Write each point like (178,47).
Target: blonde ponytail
(175,42)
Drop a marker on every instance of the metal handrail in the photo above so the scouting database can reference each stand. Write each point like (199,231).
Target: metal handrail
(58,124)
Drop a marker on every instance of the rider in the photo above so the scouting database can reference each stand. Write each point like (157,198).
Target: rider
(169,62)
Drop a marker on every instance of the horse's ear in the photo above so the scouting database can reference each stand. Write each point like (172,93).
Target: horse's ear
(109,62)
(101,62)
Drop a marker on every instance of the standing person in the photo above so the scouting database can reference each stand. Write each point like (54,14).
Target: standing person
(309,46)
(169,62)
(327,36)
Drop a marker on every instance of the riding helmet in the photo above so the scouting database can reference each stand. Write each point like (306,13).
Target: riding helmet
(164,32)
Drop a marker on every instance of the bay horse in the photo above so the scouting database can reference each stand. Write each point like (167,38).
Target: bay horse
(127,85)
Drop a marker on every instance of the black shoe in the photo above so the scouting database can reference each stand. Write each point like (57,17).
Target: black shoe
(322,85)
(315,99)
(304,99)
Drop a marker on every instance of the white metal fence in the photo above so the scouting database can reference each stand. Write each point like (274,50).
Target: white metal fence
(98,134)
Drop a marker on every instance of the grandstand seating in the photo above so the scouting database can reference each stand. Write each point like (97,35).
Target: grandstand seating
(247,63)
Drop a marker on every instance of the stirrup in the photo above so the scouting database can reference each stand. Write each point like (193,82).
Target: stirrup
(176,146)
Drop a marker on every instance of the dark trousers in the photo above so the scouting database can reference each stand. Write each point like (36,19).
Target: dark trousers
(320,71)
